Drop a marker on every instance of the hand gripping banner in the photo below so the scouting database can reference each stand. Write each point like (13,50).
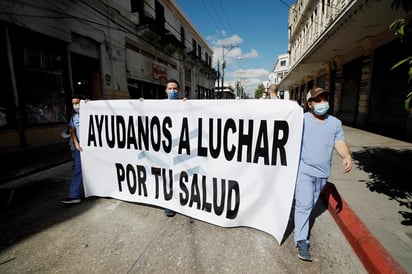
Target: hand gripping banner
(227,162)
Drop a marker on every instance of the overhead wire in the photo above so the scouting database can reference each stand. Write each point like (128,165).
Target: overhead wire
(210,15)
(218,15)
(64,15)
(305,16)
(117,26)
(226,17)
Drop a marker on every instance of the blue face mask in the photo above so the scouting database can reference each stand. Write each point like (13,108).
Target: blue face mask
(321,109)
(172,94)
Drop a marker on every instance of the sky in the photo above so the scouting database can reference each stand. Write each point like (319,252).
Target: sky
(257,29)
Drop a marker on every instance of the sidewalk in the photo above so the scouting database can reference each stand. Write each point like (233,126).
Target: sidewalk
(21,162)
(379,192)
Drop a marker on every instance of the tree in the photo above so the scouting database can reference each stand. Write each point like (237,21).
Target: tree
(259,90)
(402,28)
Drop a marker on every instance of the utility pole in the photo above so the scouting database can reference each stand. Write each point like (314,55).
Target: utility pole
(230,47)
(223,74)
(218,79)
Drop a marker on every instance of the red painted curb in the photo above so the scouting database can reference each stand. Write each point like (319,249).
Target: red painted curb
(372,254)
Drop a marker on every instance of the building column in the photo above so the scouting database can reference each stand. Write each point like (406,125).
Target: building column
(337,65)
(19,119)
(326,70)
(365,89)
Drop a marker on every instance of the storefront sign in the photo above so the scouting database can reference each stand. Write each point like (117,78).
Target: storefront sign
(159,72)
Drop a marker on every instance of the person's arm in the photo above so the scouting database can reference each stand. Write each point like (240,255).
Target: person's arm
(343,150)
(75,139)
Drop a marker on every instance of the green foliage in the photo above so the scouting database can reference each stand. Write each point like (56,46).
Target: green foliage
(409,60)
(398,29)
(407,104)
(405,4)
(259,90)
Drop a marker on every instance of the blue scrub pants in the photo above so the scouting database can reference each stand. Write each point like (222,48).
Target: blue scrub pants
(77,181)
(308,189)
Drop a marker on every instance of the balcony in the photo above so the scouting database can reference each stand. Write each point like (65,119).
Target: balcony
(149,30)
(204,67)
(169,44)
(213,74)
(191,57)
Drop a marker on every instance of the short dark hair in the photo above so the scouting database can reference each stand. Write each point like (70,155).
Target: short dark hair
(78,96)
(173,81)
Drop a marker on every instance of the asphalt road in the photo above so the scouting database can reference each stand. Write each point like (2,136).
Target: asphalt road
(100,235)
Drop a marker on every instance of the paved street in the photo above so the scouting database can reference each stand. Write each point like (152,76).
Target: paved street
(39,235)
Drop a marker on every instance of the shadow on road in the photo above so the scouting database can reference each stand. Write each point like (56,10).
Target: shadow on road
(390,173)
(34,207)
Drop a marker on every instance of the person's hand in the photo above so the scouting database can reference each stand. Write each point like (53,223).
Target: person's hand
(78,147)
(347,164)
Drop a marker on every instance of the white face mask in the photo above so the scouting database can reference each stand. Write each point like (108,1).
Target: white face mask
(76,107)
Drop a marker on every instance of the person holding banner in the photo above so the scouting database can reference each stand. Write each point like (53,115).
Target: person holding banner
(75,188)
(264,95)
(172,91)
(321,134)
(273,91)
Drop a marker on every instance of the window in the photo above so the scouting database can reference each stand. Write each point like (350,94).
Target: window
(182,35)
(43,94)
(188,75)
(160,15)
(283,63)
(39,77)
(194,45)
(137,6)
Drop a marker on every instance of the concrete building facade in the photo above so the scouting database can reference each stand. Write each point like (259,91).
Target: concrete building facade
(346,47)
(102,49)
(280,70)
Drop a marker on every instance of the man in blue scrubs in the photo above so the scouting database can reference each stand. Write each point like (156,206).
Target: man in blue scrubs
(321,134)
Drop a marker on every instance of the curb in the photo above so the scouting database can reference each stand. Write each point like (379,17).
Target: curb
(372,254)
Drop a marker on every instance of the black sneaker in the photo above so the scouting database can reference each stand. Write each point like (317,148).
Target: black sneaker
(303,251)
(71,201)
(169,213)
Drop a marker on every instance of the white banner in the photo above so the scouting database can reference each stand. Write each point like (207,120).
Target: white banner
(226,162)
